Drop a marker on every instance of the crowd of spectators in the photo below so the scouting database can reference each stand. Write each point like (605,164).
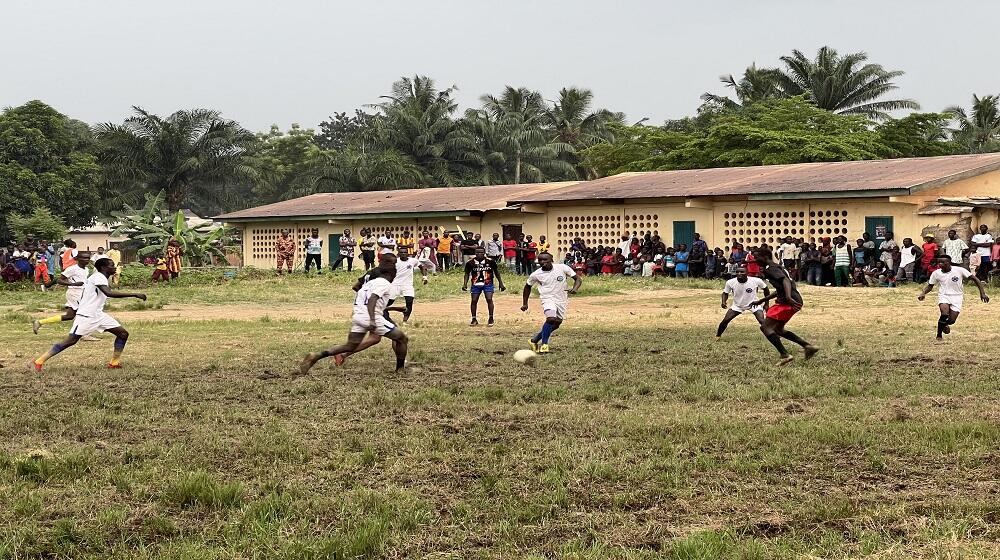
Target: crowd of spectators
(40,261)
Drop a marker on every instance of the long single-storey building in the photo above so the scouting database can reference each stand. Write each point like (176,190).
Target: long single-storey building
(749,205)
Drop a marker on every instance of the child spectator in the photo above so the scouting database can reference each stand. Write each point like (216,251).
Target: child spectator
(160,271)
(682,261)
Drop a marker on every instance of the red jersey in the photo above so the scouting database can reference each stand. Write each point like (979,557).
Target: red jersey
(532,251)
(608,264)
(753,269)
(509,248)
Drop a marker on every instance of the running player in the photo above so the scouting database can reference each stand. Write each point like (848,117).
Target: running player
(744,291)
(368,318)
(90,316)
(73,278)
(482,270)
(788,302)
(949,280)
(551,281)
(403,283)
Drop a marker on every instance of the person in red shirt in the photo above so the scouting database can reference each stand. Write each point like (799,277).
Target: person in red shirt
(608,262)
(927,260)
(753,268)
(530,254)
(510,251)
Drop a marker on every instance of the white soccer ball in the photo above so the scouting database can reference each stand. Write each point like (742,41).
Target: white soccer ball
(526,357)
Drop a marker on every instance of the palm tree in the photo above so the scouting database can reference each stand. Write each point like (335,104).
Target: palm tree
(570,121)
(843,84)
(979,129)
(756,84)
(510,127)
(417,122)
(195,157)
(355,170)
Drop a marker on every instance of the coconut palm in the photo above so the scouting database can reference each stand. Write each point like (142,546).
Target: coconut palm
(354,170)
(843,84)
(510,133)
(195,157)
(569,120)
(978,129)
(756,84)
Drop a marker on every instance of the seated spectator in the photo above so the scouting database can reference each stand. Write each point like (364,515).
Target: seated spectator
(637,264)
(648,267)
(608,262)
(875,274)
(627,265)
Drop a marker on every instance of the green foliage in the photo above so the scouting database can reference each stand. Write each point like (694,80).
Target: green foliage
(153,227)
(45,161)
(285,161)
(633,149)
(199,489)
(918,135)
(979,128)
(41,224)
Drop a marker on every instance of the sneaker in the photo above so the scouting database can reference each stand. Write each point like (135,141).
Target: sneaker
(533,346)
(113,365)
(44,289)
(33,365)
(543,349)
(490,322)
(473,322)
(35,325)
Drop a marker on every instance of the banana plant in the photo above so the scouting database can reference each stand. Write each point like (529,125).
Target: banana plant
(153,226)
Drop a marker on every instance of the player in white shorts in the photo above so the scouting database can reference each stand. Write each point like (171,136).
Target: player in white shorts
(951,291)
(402,285)
(368,317)
(73,277)
(90,316)
(744,291)
(551,281)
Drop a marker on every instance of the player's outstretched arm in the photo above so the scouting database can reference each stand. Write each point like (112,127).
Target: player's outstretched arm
(577,282)
(927,289)
(525,294)
(113,294)
(725,299)
(61,280)
(496,273)
(982,289)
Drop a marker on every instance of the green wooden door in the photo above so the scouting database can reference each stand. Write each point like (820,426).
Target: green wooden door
(876,227)
(683,233)
(333,244)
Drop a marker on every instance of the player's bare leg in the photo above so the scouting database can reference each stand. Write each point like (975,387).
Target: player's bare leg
(121,337)
(947,319)
(371,340)
(730,315)
(353,341)
(400,345)
(489,306)
(68,315)
(58,347)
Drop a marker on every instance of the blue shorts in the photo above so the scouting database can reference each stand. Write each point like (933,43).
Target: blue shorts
(476,290)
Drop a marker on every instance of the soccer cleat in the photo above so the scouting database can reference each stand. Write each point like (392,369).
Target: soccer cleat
(35,325)
(490,322)
(33,365)
(811,351)
(543,349)
(533,346)
(473,322)
(114,365)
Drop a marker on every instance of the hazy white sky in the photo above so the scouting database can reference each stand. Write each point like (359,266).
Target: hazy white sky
(298,61)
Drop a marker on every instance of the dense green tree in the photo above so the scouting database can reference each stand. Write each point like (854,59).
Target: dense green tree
(197,158)
(918,135)
(285,161)
(341,131)
(634,148)
(571,121)
(45,160)
(41,225)
(756,84)
(978,128)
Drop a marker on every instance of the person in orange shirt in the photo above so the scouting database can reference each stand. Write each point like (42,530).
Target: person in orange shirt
(284,249)
(68,256)
(444,251)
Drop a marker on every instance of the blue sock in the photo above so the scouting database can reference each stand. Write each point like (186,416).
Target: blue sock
(120,344)
(546,332)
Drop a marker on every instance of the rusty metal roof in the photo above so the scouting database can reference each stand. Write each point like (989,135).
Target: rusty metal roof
(832,177)
(446,199)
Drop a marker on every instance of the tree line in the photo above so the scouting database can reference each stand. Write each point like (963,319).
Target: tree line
(829,107)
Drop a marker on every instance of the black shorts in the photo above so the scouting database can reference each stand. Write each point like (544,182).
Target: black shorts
(789,263)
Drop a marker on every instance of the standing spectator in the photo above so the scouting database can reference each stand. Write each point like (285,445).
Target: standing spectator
(869,246)
(982,242)
(314,251)
(607,262)
(284,249)
(428,242)
(346,252)
(368,246)
(521,251)
(750,263)
(479,240)
(116,257)
(908,255)
(407,241)
(812,270)
(826,264)
(530,254)
(510,252)
(444,251)
(494,248)
(681,264)
(41,262)
(737,255)
(468,247)
(626,244)
(636,247)
(955,247)
(543,245)
(860,254)
(51,258)
(697,257)
(174,253)
(928,258)
(786,252)
(842,261)
(887,251)
(68,256)
(669,263)
(386,244)
(100,254)
(456,249)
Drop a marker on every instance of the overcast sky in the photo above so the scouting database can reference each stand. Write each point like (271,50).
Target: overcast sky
(298,61)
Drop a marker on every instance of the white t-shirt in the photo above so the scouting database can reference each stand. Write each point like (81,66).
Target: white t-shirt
(983,238)
(647,268)
(314,246)
(404,272)
(375,287)
(906,255)
(552,284)
(954,248)
(387,241)
(626,247)
(787,251)
(93,299)
(74,274)
(950,283)
(743,294)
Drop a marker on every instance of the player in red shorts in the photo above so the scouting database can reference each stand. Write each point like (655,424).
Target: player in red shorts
(788,301)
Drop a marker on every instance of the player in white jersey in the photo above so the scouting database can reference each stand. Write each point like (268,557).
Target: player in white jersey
(551,281)
(368,318)
(403,283)
(90,316)
(744,291)
(951,291)
(73,277)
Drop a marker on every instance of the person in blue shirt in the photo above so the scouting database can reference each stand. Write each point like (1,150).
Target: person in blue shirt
(681,261)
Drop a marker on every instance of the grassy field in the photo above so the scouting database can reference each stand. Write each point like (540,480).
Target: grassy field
(639,437)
